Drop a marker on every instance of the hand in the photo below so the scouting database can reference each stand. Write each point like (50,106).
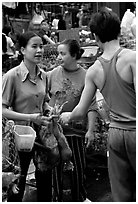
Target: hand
(41,120)
(89,138)
(65,117)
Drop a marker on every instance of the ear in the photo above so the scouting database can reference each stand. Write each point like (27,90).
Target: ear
(22,50)
(74,56)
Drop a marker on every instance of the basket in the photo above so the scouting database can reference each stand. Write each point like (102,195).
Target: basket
(24,137)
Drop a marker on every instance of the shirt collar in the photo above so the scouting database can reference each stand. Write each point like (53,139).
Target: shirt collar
(25,72)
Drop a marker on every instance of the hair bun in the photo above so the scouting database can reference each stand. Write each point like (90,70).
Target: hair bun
(81,51)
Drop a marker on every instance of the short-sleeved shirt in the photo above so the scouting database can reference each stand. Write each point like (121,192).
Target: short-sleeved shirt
(22,94)
(68,86)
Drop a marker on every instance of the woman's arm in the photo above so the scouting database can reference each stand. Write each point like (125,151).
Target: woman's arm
(49,40)
(34,117)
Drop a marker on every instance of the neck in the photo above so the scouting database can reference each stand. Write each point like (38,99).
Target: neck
(109,48)
(31,68)
(72,68)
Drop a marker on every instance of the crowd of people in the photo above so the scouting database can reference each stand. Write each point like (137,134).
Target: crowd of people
(26,89)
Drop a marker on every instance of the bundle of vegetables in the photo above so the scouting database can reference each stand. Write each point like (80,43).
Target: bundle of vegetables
(52,140)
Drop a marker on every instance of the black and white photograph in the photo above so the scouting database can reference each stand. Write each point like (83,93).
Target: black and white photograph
(68,101)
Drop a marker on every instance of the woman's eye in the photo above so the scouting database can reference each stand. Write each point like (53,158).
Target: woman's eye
(62,53)
(41,46)
(34,46)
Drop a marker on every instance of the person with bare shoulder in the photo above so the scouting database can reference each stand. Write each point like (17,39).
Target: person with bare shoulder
(114,74)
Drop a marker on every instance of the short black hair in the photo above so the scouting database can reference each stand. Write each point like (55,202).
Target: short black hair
(105,24)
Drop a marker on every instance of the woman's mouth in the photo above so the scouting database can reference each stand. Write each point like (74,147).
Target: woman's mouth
(38,56)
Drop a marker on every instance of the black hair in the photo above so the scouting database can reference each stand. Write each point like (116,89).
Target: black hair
(25,37)
(4,43)
(74,48)
(105,24)
(6,29)
(60,16)
(132,6)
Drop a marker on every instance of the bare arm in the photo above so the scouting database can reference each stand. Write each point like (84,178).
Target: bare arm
(35,117)
(89,137)
(86,98)
(85,101)
(49,40)
(12,115)
(133,67)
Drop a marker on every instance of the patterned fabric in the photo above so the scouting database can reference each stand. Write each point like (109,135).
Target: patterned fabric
(68,86)
(74,179)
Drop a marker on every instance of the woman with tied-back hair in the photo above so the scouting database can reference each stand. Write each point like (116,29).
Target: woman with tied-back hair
(66,83)
(23,95)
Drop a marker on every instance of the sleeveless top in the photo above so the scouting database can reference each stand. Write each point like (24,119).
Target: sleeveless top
(119,95)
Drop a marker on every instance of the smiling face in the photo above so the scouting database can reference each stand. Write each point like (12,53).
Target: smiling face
(64,56)
(34,50)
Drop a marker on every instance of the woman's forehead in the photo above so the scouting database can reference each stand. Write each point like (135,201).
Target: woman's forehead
(35,39)
(63,47)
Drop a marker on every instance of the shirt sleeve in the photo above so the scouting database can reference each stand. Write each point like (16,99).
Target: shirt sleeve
(7,90)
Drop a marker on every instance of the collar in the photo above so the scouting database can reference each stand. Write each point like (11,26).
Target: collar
(25,72)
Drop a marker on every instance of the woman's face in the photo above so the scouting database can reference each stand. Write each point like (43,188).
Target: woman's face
(64,56)
(34,50)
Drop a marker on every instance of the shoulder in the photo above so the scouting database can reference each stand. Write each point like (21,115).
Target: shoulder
(9,78)
(56,71)
(95,68)
(95,74)
(128,55)
(12,72)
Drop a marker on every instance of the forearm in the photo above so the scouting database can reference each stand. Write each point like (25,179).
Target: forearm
(91,120)
(77,113)
(12,115)
(49,40)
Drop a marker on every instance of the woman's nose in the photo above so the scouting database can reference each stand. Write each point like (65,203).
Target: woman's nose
(59,57)
(39,49)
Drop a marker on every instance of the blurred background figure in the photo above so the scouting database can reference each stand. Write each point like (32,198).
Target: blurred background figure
(133,27)
(55,22)
(80,16)
(127,20)
(10,44)
(61,23)
(44,32)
